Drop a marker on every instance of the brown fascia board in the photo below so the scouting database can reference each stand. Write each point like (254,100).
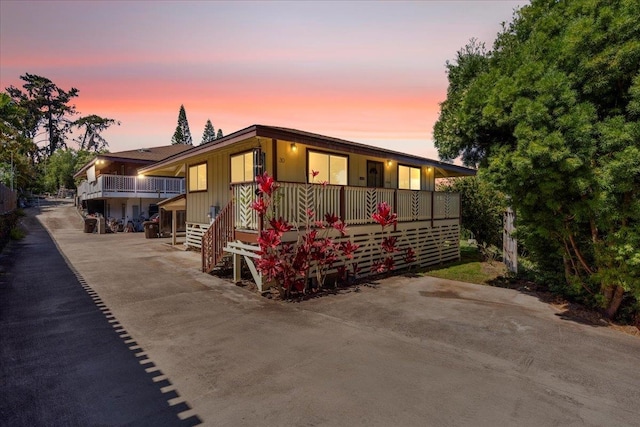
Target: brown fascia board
(125,157)
(311,139)
(110,158)
(316,140)
(232,138)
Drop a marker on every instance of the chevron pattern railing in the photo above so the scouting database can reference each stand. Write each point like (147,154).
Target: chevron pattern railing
(354,205)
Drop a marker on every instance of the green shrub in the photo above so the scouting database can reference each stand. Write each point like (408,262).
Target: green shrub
(16,233)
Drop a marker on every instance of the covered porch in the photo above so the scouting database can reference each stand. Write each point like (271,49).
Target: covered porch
(353,205)
(428,221)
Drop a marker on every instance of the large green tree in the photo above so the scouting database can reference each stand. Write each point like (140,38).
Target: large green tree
(182,134)
(552,113)
(41,105)
(48,106)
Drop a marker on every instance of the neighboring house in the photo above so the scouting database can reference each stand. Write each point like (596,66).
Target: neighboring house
(220,188)
(112,187)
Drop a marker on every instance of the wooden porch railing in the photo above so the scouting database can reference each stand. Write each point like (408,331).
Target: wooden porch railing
(214,240)
(354,205)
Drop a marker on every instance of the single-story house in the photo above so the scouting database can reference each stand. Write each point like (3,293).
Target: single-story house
(220,183)
(111,186)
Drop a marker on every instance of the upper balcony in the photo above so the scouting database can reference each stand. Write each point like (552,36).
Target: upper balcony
(125,186)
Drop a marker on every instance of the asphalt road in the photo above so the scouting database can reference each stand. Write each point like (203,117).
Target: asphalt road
(65,360)
(405,352)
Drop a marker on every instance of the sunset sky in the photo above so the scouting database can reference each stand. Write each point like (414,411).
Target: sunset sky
(370,72)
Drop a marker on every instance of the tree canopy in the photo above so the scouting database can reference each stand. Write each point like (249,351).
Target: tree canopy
(16,149)
(24,112)
(552,113)
(46,105)
(91,127)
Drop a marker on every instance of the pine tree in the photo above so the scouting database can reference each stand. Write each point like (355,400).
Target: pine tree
(182,135)
(219,135)
(209,134)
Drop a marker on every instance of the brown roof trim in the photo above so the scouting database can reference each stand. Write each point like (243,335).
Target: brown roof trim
(141,156)
(232,138)
(312,139)
(308,138)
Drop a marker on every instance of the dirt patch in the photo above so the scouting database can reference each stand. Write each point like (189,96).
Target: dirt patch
(494,269)
(566,309)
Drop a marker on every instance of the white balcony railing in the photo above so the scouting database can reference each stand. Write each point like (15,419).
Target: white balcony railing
(130,186)
(355,205)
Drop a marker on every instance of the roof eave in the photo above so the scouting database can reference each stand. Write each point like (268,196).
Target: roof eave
(307,138)
(240,135)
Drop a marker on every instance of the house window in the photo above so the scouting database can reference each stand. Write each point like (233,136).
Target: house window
(242,167)
(331,168)
(198,177)
(408,178)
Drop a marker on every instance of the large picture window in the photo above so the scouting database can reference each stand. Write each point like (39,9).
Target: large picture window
(198,177)
(408,178)
(242,167)
(331,168)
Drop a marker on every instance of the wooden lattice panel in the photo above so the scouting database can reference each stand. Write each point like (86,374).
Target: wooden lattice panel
(432,245)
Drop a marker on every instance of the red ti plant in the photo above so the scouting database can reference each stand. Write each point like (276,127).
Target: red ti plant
(386,218)
(289,264)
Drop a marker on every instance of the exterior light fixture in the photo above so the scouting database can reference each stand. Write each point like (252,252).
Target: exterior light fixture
(294,147)
(389,163)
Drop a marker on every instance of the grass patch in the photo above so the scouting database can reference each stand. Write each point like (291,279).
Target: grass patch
(16,233)
(470,268)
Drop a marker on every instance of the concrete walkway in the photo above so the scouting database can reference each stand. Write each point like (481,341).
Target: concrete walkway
(410,352)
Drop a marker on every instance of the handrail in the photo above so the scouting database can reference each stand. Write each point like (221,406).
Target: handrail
(214,240)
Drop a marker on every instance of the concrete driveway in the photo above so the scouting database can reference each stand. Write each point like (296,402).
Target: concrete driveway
(407,352)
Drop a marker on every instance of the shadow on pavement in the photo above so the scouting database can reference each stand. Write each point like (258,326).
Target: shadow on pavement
(65,359)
